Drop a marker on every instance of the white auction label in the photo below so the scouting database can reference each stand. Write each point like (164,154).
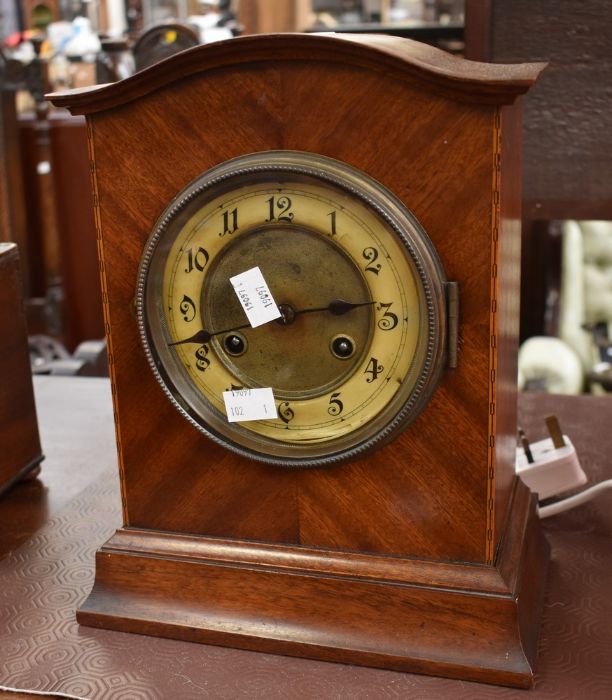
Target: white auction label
(249,404)
(255,297)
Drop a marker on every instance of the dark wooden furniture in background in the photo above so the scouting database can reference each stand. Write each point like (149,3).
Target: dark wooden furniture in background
(73,210)
(13,225)
(411,558)
(568,120)
(77,232)
(46,208)
(20,450)
(42,200)
(541,275)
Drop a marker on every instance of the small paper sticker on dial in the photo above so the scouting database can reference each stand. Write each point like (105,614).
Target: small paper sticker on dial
(255,297)
(249,404)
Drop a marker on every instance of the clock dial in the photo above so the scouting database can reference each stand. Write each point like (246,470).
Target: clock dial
(359,343)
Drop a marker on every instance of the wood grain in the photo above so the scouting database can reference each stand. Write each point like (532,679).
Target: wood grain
(448,444)
(396,57)
(329,615)
(507,301)
(326,515)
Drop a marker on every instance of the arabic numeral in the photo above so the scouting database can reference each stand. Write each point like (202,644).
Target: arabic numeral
(230,222)
(196,259)
(202,362)
(285,412)
(283,205)
(371,255)
(187,308)
(332,216)
(336,406)
(373,369)
(389,320)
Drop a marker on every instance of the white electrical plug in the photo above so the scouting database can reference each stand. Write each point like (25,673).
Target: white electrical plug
(553,470)
(550,466)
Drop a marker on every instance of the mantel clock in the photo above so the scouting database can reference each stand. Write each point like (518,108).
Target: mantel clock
(309,249)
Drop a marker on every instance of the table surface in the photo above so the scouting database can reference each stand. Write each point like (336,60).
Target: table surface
(50,528)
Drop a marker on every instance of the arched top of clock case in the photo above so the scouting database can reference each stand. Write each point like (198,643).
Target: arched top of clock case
(436,70)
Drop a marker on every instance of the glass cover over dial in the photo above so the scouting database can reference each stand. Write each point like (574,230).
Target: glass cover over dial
(359,344)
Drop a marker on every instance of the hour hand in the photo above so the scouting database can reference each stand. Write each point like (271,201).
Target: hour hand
(203,336)
(200,337)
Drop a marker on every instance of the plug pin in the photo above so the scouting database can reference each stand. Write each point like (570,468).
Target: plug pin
(525,444)
(554,429)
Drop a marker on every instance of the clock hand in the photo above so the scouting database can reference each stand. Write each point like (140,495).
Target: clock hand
(337,307)
(203,336)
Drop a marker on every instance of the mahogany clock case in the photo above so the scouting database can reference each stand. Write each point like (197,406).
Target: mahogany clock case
(401,558)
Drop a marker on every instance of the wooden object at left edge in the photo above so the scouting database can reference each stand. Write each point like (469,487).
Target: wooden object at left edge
(20,450)
(425,556)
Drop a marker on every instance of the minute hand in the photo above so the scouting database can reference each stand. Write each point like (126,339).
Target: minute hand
(337,307)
